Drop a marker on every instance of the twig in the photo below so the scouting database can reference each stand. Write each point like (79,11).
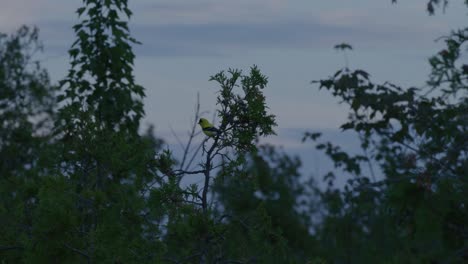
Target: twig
(192,132)
(208,167)
(80,252)
(195,154)
(384,182)
(199,254)
(431,158)
(176,137)
(371,168)
(11,247)
(182,172)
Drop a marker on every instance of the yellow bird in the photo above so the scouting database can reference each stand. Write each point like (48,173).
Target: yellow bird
(208,128)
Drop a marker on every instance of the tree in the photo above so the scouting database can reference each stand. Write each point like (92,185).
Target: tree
(264,209)
(418,139)
(92,206)
(89,188)
(27,102)
(194,229)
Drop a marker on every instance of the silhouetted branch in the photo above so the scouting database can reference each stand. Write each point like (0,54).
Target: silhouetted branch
(11,248)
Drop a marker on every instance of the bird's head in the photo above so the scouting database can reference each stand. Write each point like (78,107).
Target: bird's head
(202,121)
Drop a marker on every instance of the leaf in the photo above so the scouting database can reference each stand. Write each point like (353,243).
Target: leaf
(343,46)
(80,10)
(347,126)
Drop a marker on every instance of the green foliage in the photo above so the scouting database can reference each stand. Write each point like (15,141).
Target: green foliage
(95,190)
(90,204)
(26,109)
(100,84)
(262,208)
(243,115)
(109,165)
(196,230)
(26,102)
(53,218)
(418,140)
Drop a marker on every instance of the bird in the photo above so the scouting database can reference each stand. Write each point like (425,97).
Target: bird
(208,128)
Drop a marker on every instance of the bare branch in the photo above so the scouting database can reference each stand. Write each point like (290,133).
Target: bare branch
(208,167)
(176,137)
(182,172)
(192,133)
(195,154)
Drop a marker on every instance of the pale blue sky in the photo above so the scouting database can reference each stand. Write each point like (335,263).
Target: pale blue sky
(186,41)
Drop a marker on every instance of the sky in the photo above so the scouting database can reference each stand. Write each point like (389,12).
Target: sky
(184,42)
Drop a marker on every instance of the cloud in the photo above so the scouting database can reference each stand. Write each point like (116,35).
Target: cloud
(226,38)
(216,39)
(206,11)
(13,14)
(216,28)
